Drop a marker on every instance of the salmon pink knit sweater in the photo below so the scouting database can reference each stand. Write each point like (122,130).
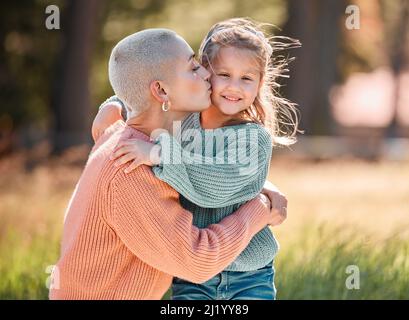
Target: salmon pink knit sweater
(126,235)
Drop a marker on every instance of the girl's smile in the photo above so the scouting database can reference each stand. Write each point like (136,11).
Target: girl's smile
(235,80)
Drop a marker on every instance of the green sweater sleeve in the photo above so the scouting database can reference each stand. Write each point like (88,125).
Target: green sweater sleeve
(219,167)
(115,99)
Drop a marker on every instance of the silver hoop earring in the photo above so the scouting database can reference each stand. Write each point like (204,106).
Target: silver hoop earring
(165,106)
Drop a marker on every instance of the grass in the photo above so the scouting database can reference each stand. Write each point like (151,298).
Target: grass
(341,213)
(315,266)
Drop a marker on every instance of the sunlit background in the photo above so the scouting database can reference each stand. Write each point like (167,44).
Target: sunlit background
(347,178)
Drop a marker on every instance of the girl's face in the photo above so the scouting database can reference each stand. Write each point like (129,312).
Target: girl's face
(235,79)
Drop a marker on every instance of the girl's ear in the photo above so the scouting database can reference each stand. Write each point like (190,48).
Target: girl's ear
(158,91)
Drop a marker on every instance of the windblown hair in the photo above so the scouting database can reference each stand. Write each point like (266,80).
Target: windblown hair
(136,61)
(277,114)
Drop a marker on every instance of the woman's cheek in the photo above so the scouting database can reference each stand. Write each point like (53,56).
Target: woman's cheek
(194,84)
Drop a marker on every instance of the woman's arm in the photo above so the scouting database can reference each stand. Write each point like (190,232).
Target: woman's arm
(146,214)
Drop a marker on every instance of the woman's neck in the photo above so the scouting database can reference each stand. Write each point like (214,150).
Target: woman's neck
(213,118)
(154,120)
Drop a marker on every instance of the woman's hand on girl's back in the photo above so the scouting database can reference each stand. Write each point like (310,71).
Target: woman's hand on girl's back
(278,203)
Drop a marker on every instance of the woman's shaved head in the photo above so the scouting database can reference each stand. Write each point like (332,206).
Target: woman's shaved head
(139,59)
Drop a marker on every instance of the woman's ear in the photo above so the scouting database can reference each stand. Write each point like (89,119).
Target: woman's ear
(158,91)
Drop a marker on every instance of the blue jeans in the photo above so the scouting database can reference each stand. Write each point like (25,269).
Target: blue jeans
(229,285)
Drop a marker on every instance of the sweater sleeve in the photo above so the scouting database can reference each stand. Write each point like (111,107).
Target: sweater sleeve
(148,218)
(212,179)
(117,100)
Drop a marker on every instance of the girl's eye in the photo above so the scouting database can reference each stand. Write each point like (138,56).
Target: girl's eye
(196,68)
(223,75)
(247,79)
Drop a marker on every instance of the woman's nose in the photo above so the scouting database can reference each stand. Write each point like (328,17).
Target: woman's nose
(204,73)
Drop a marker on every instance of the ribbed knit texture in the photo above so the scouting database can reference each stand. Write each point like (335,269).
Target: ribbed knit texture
(212,192)
(126,235)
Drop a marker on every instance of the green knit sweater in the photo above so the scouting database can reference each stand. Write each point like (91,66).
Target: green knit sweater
(215,176)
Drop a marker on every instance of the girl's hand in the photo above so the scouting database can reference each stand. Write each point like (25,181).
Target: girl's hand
(138,151)
(107,115)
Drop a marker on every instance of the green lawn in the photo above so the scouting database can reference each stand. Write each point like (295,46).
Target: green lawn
(340,214)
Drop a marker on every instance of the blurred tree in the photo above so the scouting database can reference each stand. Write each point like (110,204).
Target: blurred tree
(71,98)
(316,23)
(44,74)
(27,58)
(51,81)
(397,51)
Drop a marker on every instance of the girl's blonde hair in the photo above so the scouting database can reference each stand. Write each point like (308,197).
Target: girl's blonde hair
(269,109)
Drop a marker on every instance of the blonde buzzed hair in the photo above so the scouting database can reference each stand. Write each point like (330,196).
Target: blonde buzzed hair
(136,61)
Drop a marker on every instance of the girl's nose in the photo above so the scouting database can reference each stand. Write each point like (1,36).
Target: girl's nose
(233,84)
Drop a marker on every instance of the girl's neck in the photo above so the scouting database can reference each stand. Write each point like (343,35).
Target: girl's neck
(213,118)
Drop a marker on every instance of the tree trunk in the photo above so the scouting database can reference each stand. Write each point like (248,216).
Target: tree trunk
(398,61)
(71,98)
(316,23)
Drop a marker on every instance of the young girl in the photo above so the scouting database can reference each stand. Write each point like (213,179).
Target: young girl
(247,112)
